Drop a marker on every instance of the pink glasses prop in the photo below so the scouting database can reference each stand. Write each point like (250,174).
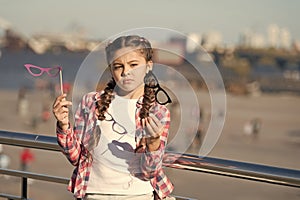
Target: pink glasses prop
(51,71)
(38,71)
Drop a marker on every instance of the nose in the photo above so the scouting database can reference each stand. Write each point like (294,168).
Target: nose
(126,70)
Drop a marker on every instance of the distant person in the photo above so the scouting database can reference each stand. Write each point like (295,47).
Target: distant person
(120,134)
(253,127)
(256,124)
(26,157)
(248,129)
(4,160)
(196,144)
(22,106)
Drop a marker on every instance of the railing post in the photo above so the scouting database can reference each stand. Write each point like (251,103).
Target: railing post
(24,188)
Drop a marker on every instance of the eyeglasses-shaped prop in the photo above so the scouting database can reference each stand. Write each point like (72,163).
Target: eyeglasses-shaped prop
(161,96)
(51,71)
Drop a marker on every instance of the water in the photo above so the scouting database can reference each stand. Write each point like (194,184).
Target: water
(13,74)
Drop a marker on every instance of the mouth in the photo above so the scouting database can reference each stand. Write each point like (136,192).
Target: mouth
(127,81)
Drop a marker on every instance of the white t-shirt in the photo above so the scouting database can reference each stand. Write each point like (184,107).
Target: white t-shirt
(110,173)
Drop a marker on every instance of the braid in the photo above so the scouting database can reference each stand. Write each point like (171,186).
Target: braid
(105,99)
(148,100)
(149,95)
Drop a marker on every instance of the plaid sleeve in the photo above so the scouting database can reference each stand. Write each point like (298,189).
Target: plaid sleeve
(70,139)
(151,162)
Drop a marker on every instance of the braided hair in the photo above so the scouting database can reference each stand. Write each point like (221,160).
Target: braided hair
(144,47)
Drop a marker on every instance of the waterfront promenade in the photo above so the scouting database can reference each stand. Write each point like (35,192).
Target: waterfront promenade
(277,144)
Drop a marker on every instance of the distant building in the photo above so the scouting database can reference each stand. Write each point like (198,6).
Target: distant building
(279,37)
(4,25)
(212,40)
(296,45)
(14,40)
(252,40)
(273,35)
(258,41)
(285,39)
(193,42)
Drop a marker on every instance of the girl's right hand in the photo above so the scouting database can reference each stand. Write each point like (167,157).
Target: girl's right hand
(61,111)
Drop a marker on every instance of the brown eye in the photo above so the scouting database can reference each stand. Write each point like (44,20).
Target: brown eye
(134,64)
(117,67)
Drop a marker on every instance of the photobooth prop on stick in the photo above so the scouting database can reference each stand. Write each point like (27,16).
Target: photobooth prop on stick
(51,71)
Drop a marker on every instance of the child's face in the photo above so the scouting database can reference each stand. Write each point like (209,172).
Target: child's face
(128,70)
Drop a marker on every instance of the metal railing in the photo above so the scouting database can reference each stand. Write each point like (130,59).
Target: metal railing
(236,169)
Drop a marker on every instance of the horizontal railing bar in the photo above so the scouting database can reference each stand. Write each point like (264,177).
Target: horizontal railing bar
(29,140)
(182,198)
(42,177)
(11,197)
(236,169)
(36,176)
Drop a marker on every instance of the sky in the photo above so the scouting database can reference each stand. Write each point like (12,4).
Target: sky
(102,19)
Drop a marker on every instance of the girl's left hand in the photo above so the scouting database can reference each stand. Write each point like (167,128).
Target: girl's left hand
(154,129)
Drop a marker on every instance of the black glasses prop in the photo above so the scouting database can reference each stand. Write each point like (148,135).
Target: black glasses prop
(118,128)
(161,96)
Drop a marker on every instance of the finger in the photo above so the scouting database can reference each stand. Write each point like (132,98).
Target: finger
(149,128)
(143,142)
(59,99)
(65,103)
(140,148)
(56,102)
(155,119)
(62,112)
(97,113)
(62,100)
(64,109)
(57,110)
(63,118)
(143,123)
(61,104)
(156,126)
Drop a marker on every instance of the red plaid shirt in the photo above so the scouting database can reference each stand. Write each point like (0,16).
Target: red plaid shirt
(77,142)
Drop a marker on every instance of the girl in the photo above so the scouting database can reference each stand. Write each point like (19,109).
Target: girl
(120,134)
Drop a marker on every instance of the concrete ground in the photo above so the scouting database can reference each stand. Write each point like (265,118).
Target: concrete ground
(278,144)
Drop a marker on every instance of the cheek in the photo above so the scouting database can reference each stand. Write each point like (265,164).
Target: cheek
(140,72)
(116,76)
(139,75)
